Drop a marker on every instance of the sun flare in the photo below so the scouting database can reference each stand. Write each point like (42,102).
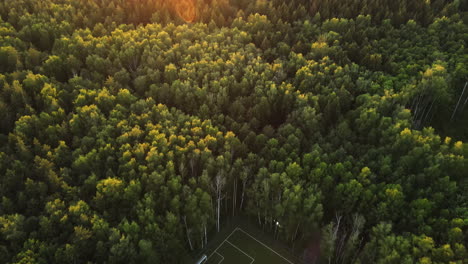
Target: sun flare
(186,10)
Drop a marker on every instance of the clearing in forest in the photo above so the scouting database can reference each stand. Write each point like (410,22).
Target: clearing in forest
(241,247)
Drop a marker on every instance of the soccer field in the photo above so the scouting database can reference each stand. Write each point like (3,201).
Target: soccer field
(240,247)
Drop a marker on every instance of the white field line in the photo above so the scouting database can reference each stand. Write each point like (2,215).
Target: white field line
(241,251)
(221,245)
(265,245)
(222,258)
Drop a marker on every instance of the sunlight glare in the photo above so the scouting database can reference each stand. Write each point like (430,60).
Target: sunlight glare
(186,9)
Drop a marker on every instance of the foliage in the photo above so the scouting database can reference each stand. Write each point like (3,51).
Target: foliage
(128,134)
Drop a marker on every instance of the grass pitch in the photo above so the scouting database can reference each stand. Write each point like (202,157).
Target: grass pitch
(241,247)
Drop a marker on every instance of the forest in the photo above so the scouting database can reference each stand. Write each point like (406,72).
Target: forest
(130,130)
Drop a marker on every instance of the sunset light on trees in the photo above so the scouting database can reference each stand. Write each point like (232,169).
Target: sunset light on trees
(233,131)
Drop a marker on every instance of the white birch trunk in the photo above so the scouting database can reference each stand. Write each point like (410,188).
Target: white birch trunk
(463,106)
(219,183)
(234,198)
(243,191)
(295,233)
(202,245)
(218,211)
(458,103)
(206,236)
(259,219)
(187,231)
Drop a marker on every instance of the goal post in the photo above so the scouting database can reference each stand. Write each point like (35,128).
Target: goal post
(202,259)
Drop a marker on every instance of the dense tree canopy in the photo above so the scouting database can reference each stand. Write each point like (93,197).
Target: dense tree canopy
(128,134)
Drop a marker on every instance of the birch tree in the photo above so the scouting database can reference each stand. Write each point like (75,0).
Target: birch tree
(218,186)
